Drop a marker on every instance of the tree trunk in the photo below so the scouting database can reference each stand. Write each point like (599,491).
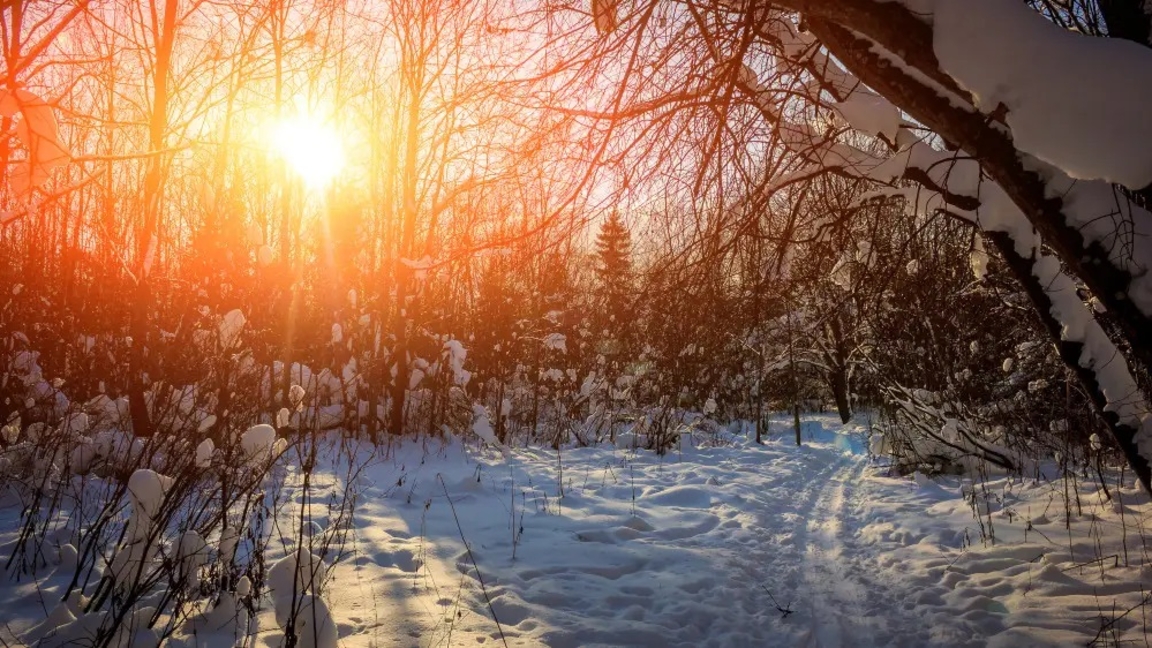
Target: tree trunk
(1070,353)
(838,380)
(838,369)
(994,149)
(796,420)
(148,237)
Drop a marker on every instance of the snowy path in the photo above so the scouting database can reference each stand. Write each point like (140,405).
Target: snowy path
(837,599)
(848,606)
(639,552)
(836,596)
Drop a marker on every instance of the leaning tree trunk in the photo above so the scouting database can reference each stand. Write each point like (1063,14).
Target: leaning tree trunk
(1070,353)
(981,137)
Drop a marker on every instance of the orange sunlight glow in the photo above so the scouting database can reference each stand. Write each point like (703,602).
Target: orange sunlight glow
(312,148)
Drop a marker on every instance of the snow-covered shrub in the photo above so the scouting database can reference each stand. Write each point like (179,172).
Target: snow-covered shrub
(145,539)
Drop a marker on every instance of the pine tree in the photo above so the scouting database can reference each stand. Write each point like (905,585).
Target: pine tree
(614,276)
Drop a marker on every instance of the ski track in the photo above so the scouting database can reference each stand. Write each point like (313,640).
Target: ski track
(845,605)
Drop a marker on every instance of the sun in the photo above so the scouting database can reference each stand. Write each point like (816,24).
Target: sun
(312,148)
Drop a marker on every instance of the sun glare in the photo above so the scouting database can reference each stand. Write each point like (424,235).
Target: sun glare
(311,148)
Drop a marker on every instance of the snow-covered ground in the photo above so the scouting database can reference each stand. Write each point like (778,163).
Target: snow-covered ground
(710,546)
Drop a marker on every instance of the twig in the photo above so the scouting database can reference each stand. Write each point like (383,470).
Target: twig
(784,611)
(472,559)
(1115,558)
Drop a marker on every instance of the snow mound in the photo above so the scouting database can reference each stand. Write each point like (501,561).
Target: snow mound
(258,440)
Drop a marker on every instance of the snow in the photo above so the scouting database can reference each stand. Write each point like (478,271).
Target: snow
(607,546)
(556,342)
(871,113)
(257,441)
(631,549)
(1099,353)
(1094,208)
(283,417)
(1088,204)
(294,574)
(191,555)
(1006,53)
(230,327)
(482,425)
(978,258)
(146,490)
(296,395)
(314,624)
(456,353)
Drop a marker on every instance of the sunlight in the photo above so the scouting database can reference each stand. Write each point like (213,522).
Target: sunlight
(312,148)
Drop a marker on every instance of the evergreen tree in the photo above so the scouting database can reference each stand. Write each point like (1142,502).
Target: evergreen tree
(615,287)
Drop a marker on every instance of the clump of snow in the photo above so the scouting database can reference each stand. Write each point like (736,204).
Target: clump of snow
(556,342)
(1095,442)
(314,625)
(257,441)
(146,491)
(290,578)
(10,432)
(82,456)
(229,540)
(68,557)
(482,426)
(870,113)
(296,395)
(191,555)
(1006,53)
(204,453)
(206,422)
(230,328)
(225,623)
(76,424)
(978,258)
(456,355)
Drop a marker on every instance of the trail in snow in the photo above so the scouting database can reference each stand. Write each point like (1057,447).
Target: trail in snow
(847,605)
(836,597)
(685,550)
(831,584)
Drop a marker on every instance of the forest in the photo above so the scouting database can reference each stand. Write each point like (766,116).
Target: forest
(595,323)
